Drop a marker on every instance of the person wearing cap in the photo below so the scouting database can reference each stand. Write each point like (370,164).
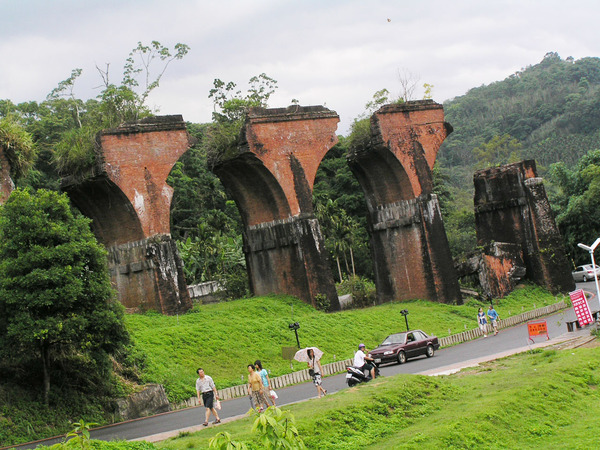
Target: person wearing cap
(361,360)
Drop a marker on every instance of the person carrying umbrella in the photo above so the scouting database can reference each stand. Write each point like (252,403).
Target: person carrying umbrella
(312,357)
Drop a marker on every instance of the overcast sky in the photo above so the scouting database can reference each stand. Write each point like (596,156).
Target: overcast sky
(322,52)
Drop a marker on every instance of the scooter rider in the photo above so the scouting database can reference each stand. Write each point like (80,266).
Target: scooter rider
(361,360)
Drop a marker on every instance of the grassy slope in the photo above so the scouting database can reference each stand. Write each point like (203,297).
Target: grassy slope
(223,338)
(544,399)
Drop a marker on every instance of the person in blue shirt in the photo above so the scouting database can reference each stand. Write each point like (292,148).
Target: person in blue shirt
(493,317)
(264,375)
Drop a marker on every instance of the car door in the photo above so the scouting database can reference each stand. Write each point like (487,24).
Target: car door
(412,345)
(421,340)
(578,274)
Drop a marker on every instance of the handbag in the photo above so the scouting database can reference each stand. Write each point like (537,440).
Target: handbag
(218,404)
(273,394)
(311,371)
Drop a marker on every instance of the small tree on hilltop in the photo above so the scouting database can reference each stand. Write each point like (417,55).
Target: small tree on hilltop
(55,295)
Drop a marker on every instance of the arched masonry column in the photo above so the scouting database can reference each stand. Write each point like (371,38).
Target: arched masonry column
(271,177)
(409,246)
(511,206)
(128,198)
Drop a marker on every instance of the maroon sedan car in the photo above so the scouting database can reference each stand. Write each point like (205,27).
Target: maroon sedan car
(401,346)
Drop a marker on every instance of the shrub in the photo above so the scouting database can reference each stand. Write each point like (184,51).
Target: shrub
(322,302)
(75,154)
(362,290)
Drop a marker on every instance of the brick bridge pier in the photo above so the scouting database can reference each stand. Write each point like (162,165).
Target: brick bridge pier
(271,177)
(129,201)
(409,246)
(512,209)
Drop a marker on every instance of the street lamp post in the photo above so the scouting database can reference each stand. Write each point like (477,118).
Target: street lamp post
(294,326)
(591,249)
(404,312)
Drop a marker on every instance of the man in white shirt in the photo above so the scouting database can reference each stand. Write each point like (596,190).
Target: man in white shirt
(206,388)
(361,360)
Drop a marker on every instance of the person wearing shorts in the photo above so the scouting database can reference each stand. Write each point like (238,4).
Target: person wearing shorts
(206,388)
(494,317)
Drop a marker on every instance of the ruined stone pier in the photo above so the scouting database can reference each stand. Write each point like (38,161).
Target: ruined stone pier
(271,176)
(129,201)
(511,206)
(409,246)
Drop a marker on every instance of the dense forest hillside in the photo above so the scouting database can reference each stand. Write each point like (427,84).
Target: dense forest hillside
(549,111)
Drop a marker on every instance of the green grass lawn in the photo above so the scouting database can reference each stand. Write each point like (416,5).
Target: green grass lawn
(542,399)
(223,338)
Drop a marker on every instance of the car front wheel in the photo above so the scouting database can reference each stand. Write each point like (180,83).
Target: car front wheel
(429,351)
(401,357)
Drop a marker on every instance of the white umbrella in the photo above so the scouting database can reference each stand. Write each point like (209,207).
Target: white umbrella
(302,354)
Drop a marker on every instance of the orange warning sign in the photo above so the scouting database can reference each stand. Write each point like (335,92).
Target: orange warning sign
(537,328)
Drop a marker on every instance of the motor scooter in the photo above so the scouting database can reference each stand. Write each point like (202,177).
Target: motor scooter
(354,375)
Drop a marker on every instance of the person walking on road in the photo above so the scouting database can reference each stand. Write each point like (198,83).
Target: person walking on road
(482,322)
(266,381)
(255,389)
(315,370)
(494,317)
(206,386)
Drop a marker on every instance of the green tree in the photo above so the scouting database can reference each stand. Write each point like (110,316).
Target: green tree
(277,429)
(428,91)
(498,150)
(578,202)
(17,145)
(75,154)
(341,233)
(200,204)
(126,102)
(56,299)
(380,98)
(230,110)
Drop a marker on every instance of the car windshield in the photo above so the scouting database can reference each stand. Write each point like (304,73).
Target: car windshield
(392,339)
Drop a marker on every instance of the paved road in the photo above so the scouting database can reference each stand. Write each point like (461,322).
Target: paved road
(506,342)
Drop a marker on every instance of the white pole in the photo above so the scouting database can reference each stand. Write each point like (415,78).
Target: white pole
(597,287)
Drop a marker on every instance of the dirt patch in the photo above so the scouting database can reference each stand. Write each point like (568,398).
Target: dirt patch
(592,343)
(579,342)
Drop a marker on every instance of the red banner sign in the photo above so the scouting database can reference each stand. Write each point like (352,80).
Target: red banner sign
(581,307)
